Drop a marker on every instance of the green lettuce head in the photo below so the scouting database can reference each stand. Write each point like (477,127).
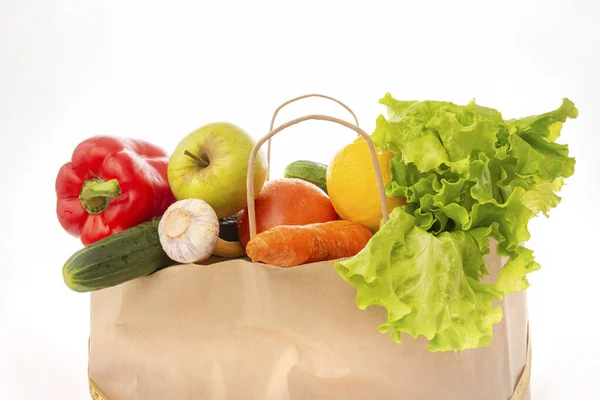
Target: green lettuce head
(467,175)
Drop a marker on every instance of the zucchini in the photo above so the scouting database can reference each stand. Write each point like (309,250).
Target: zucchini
(116,259)
(309,171)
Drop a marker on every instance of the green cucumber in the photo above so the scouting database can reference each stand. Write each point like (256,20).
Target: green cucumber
(116,259)
(309,171)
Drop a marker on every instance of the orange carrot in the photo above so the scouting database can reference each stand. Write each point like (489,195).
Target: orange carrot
(292,245)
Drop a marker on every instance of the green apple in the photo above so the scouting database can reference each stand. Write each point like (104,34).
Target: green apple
(211,164)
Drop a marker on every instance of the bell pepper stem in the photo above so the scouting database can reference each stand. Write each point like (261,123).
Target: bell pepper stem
(201,160)
(96,194)
(109,188)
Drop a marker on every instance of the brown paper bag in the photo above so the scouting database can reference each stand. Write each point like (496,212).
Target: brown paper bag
(242,330)
(235,329)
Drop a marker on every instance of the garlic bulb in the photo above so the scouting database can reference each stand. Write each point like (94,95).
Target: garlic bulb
(189,230)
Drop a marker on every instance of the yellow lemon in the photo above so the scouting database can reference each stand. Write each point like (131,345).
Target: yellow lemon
(352,186)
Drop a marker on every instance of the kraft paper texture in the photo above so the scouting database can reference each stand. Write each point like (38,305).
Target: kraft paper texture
(235,329)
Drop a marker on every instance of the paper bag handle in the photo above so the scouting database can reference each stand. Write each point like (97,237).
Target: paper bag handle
(292,101)
(258,145)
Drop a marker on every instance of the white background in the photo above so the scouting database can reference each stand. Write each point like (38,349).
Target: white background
(72,69)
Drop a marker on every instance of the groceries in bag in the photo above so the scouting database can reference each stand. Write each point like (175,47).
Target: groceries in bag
(455,177)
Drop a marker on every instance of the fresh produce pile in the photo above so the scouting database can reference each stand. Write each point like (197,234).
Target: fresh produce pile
(455,176)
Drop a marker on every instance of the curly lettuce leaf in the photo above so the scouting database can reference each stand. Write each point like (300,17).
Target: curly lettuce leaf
(513,275)
(428,284)
(467,175)
(542,198)
(547,125)
(431,133)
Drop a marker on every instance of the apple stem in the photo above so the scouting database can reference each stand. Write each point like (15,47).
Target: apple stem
(204,163)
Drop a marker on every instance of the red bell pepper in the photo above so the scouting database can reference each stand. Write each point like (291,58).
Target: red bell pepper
(111,184)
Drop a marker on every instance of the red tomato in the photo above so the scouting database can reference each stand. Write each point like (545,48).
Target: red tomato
(286,201)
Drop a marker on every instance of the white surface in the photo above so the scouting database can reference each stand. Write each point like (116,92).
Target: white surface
(69,70)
